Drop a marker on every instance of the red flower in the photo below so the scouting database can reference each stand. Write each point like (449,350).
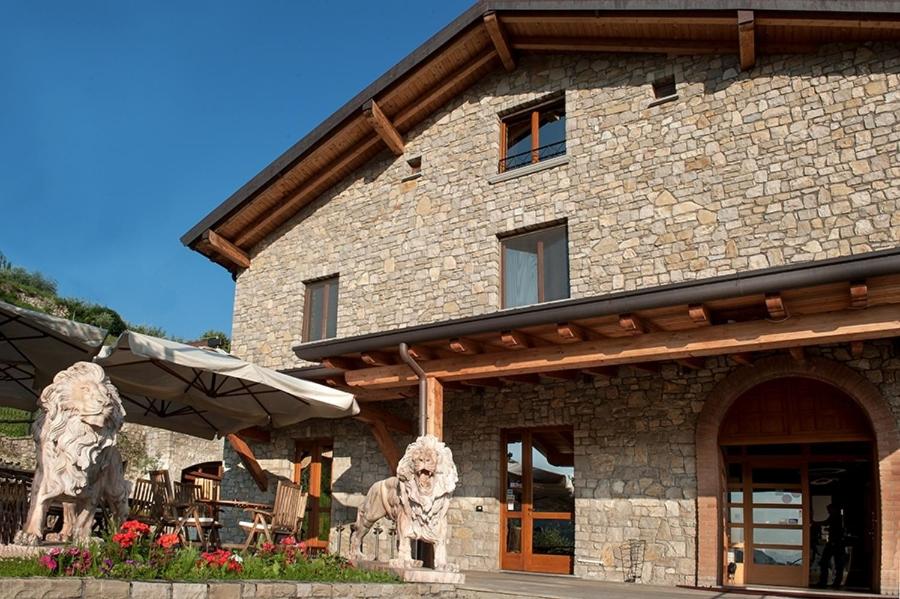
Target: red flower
(267,548)
(124,539)
(234,566)
(288,541)
(138,528)
(169,540)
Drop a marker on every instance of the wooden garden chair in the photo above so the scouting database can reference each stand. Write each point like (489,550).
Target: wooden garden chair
(189,511)
(146,505)
(163,481)
(285,518)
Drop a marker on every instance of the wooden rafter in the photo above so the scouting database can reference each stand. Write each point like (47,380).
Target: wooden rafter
(461,345)
(530,379)
(563,375)
(800,330)
(637,45)
(498,38)
(340,363)
(421,354)
(569,331)
(859,294)
(744,359)
(746,39)
(378,358)
(604,371)
(226,249)
(692,363)
(699,313)
(383,127)
(775,306)
(515,340)
(632,324)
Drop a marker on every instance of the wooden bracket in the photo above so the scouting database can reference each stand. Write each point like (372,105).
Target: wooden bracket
(498,38)
(378,358)
(569,332)
(386,444)
(775,306)
(692,363)
(700,314)
(746,39)
(514,340)
(742,359)
(383,127)
(370,414)
(632,324)
(247,458)
(856,349)
(797,354)
(226,249)
(464,346)
(604,371)
(859,295)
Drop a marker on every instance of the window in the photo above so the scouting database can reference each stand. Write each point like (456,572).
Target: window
(532,135)
(320,309)
(312,470)
(664,87)
(535,267)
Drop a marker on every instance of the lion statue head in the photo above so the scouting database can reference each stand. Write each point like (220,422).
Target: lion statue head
(427,472)
(81,416)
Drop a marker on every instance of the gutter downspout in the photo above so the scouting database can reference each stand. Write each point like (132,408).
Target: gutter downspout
(408,359)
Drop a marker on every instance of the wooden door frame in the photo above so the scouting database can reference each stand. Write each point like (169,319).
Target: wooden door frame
(527,561)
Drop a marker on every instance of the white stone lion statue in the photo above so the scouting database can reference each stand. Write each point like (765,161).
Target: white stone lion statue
(77,460)
(416,499)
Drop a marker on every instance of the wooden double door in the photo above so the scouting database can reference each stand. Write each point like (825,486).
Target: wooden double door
(537,523)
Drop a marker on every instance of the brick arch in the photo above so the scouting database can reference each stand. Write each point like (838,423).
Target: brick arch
(865,394)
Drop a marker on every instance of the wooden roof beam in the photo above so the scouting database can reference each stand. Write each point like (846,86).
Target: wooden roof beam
(746,39)
(692,363)
(340,363)
(859,295)
(378,358)
(637,45)
(462,345)
(633,324)
(563,375)
(844,326)
(604,371)
(569,331)
(700,314)
(515,340)
(775,306)
(226,249)
(383,127)
(530,379)
(498,38)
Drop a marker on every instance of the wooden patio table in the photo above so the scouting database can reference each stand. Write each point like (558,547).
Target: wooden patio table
(236,503)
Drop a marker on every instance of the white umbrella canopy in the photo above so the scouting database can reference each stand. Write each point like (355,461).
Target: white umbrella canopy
(207,393)
(35,346)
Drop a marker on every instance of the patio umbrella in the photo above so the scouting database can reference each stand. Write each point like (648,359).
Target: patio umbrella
(207,393)
(34,347)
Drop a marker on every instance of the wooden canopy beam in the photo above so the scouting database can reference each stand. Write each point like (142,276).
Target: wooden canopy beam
(498,38)
(247,458)
(746,39)
(383,127)
(832,327)
(386,444)
(226,249)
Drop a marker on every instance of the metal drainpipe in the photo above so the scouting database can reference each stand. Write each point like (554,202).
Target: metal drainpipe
(404,355)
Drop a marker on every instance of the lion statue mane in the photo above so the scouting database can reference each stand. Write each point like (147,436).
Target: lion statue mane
(77,461)
(416,499)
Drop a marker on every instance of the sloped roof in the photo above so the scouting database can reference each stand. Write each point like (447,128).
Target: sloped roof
(492,34)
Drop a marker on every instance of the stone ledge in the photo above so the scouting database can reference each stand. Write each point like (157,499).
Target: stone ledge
(527,170)
(90,588)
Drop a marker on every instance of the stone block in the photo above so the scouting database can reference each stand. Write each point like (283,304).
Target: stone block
(224,590)
(184,590)
(107,589)
(151,590)
(42,588)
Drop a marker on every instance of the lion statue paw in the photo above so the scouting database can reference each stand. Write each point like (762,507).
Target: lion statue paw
(26,538)
(447,568)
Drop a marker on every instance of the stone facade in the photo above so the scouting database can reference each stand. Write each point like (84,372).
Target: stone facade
(635,461)
(793,161)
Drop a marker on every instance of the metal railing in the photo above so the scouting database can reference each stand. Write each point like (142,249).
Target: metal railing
(521,159)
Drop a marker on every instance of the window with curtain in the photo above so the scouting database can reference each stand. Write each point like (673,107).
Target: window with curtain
(320,309)
(535,267)
(533,135)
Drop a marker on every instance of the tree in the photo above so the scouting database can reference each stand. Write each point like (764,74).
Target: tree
(224,341)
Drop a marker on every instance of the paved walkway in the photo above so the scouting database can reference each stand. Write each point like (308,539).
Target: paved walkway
(509,585)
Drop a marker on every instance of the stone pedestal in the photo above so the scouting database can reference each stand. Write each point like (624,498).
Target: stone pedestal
(426,575)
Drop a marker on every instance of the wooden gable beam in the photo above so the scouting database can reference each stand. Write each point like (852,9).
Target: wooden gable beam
(226,249)
(498,38)
(746,39)
(247,458)
(760,335)
(383,127)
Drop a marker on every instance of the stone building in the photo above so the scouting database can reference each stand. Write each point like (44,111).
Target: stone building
(649,262)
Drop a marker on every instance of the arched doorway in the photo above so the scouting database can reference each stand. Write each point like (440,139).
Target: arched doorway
(806,432)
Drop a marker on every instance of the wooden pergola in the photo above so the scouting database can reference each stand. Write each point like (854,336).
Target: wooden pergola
(740,327)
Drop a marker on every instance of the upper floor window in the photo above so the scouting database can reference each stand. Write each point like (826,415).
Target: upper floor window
(320,309)
(532,135)
(535,267)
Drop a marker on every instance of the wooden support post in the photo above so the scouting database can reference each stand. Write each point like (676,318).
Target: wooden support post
(434,407)
(247,458)
(383,127)
(498,38)
(226,249)
(746,39)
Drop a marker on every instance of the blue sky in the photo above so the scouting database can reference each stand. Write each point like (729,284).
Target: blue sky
(122,124)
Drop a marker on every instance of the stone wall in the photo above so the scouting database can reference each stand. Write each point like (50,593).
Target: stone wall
(795,160)
(635,466)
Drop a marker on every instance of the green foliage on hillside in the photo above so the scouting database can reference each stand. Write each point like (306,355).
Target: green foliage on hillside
(11,425)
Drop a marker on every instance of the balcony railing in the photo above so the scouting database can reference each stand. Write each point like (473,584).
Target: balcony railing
(515,161)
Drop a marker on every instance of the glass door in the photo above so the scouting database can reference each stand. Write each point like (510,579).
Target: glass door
(538,501)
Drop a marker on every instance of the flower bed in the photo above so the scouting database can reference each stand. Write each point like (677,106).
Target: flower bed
(134,553)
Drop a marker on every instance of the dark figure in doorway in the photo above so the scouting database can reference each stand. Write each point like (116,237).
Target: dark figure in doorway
(834,548)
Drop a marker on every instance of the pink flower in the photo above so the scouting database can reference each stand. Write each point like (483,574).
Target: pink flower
(48,562)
